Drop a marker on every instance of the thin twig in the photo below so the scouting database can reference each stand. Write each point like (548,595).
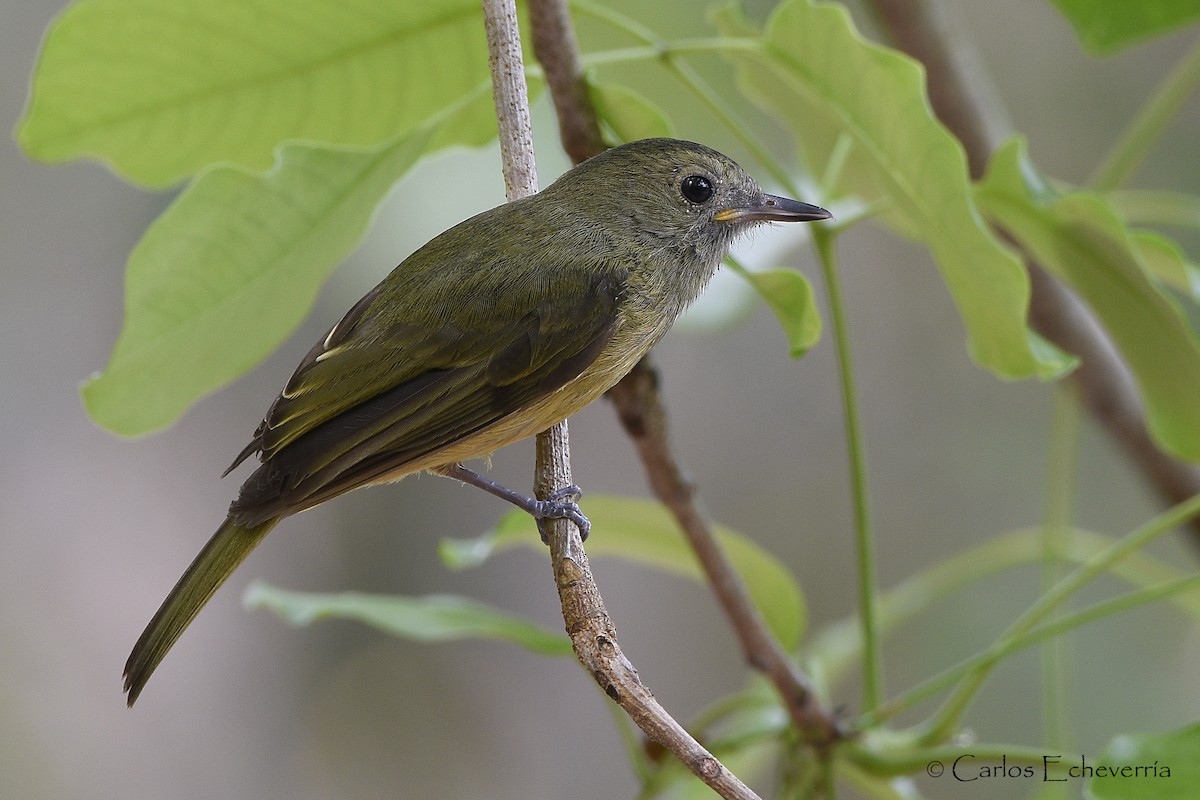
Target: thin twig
(640,409)
(587,622)
(966,103)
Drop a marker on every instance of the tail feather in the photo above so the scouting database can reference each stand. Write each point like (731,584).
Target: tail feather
(228,547)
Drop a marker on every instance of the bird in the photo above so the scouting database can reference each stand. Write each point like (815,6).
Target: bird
(493,331)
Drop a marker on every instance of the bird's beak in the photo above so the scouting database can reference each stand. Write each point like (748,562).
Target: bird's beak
(769,208)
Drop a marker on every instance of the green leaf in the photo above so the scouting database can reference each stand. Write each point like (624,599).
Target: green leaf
(790,296)
(825,82)
(644,532)
(1167,263)
(629,116)
(235,263)
(1104,26)
(433,618)
(159,88)
(1149,766)
(1081,240)
(1141,207)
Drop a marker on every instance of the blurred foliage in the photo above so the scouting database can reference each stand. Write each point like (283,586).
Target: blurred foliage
(1108,25)
(1143,767)
(644,532)
(436,618)
(1079,238)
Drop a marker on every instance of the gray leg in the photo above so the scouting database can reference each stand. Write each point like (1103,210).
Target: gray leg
(562,504)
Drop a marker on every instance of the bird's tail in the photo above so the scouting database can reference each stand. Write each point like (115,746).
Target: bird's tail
(228,547)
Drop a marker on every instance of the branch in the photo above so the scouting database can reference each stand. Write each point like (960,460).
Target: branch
(967,104)
(593,636)
(556,49)
(641,412)
(511,97)
(640,409)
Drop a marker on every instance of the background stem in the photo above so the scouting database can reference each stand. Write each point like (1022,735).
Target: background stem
(1056,526)
(868,594)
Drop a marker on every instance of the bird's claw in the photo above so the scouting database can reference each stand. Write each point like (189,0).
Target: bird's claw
(563,504)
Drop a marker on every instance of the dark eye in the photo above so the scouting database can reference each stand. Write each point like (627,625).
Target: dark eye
(696,189)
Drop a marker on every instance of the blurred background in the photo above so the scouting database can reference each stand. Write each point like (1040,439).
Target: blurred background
(94,530)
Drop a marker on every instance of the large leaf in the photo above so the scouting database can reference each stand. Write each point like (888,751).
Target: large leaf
(1081,240)
(1148,766)
(643,531)
(433,618)
(160,88)
(235,263)
(823,80)
(1107,25)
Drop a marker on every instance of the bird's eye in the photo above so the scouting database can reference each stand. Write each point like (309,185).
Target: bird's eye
(696,189)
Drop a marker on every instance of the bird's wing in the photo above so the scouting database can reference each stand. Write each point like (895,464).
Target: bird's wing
(377,394)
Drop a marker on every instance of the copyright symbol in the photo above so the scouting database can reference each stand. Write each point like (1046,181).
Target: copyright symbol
(934,769)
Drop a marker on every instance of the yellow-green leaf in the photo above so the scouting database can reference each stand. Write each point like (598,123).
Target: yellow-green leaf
(1108,25)
(433,618)
(825,82)
(1082,241)
(158,89)
(790,297)
(235,263)
(1148,766)
(1167,263)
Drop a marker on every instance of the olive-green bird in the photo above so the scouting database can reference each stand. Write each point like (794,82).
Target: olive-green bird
(492,332)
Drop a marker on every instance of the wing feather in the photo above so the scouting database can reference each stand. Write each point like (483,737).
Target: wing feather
(393,392)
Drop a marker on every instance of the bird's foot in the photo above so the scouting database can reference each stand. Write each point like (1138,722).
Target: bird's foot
(562,504)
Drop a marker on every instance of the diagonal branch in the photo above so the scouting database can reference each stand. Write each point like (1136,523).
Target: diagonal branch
(640,409)
(641,412)
(556,49)
(593,636)
(967,104)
